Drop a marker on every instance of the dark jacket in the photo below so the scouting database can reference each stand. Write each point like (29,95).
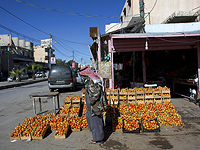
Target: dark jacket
(97,100)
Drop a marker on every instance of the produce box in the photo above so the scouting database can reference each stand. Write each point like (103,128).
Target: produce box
(150,100)
(61,133)
(158,100)
(14,137)
(123,91)
(26,135)
(150,125)
(166,95)
(131,91)
(16,134)
(115,91)
(131,101)
(140,101)
(140,96)
(40,132)
(76,101)
(75,124)
(108,92)
(117,124)
(67,101)
(131,126)
(165,100)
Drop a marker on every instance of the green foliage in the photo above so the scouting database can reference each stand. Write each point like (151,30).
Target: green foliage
(17,73)
(61,62)
(34,68)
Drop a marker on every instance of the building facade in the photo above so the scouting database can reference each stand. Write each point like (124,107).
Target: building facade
(156,12)
(15,53)
(43,54)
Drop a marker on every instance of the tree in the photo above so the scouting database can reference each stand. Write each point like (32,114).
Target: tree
(34,67)
(17,73)
(61,62)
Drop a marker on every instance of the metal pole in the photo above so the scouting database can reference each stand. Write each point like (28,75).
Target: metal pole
(50,52)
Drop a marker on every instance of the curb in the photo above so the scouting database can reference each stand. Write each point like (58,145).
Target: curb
(21,84)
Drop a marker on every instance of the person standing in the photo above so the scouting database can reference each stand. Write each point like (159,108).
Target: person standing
(95,102)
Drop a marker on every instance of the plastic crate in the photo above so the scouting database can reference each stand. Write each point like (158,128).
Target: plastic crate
(147,130)
(133,131)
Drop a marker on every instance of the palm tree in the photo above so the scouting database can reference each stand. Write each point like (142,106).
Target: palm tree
(17,73)
(34,67)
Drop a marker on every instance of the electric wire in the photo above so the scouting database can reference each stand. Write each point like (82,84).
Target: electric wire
(25,36)
(23,21)
(69,13)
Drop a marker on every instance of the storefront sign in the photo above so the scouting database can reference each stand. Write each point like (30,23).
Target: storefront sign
(53,60)
(105,69)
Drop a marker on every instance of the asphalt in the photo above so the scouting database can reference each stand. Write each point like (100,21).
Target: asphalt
(6,84)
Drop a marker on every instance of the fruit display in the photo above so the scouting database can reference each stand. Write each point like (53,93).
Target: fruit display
(150,125)
(75,123)
(117,123)
(131,126)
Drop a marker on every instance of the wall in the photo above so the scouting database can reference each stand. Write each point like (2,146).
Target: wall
(39,54)
(162,10)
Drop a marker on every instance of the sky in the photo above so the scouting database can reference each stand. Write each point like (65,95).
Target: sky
(68,22)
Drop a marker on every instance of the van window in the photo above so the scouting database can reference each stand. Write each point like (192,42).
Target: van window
(60,71)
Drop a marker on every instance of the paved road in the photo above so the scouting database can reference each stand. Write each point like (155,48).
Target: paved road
(169,138)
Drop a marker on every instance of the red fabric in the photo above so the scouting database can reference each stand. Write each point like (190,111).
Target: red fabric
(88,72)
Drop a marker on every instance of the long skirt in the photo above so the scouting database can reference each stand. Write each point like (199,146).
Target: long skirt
(95,123)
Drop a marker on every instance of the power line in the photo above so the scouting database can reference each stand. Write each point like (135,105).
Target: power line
(68,46)
(69,13)
(23,21)
(19,33)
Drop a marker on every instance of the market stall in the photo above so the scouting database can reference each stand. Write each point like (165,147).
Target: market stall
(161,47)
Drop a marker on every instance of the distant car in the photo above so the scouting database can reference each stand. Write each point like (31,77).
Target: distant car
(10,79)
(22,77)
(40,75)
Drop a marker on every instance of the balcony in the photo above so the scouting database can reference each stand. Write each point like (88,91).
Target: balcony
(22,58)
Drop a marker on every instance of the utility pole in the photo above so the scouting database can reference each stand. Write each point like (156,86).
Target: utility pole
(73,56)
(50,38)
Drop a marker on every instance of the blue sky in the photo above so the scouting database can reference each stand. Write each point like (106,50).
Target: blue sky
(72,31)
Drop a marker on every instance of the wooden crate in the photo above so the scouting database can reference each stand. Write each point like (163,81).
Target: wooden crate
(15,138)
(158,100)
(140,101)
(26,137)
(157,94)
(165,100)
(151,100)
(61,136)
(139,96)
(42,136)
(116,92)
(108,91)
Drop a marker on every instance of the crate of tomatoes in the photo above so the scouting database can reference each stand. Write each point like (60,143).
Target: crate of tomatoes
(131,126)
(150,125)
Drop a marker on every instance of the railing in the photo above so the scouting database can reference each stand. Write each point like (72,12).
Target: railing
(15,56)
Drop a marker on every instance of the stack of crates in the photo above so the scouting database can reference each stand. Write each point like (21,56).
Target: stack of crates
(148,95)
(123,96)
(140,96)
(131,96)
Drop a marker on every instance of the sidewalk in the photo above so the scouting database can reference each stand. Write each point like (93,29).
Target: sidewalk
(6,84)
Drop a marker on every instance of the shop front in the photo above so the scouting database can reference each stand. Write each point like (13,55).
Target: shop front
(161,59)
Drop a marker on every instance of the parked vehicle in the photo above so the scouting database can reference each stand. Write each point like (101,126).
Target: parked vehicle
(40,75)
(22,77)
(61,77)
(10,79)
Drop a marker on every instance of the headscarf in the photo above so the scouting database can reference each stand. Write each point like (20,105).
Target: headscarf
(85,71)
